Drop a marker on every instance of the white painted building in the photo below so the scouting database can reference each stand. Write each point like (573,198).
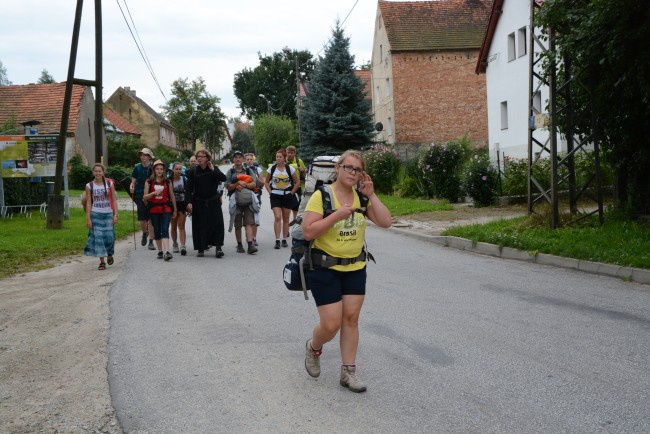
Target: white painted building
(504,58)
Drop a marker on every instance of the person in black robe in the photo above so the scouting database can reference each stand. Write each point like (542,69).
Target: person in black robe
(204,202)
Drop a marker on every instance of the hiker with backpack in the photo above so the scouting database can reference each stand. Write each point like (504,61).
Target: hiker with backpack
(142,172)
(259,188)
(299,165)
(160,200)
(282,182)
(179,181)
(337,277)
(101,217)
(204,203)
(240,183)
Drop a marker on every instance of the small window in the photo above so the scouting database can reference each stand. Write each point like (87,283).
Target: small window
(504,115)
(389,127)
(387,88)
(511,47)
(381,53)
(378,94)
(521,42)
(537,102)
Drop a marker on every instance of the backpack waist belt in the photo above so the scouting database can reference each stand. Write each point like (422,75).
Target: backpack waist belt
(322,259)
(281,192)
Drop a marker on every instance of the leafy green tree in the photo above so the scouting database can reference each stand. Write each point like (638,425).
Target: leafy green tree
(271,133)
(275,79)
(602,40)
(242,140)
(4,80)
(46,78)
(195,114)
(336,115)
(123,150)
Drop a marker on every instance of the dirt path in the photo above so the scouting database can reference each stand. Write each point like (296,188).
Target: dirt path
(53,337)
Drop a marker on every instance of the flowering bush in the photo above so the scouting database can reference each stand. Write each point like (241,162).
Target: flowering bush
(439,169)
(382,164)
(480,180)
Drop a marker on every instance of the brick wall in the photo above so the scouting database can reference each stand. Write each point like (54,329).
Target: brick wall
(438,97)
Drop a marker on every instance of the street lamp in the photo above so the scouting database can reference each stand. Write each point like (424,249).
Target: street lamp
(268,103)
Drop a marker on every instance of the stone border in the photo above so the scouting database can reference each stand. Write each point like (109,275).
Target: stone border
(626,273)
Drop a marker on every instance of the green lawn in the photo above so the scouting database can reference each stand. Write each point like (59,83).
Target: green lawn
(27,245)
(617,241)
(400,206)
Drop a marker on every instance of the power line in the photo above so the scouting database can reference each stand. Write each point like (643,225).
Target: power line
(144,58)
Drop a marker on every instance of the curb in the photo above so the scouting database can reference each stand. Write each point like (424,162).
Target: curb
(638,275)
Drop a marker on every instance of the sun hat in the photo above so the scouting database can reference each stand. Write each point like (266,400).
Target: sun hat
(159,162)
(146,151)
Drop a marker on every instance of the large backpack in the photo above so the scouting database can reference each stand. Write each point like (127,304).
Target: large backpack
(321,173)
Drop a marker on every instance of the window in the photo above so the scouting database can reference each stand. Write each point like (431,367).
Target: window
(389,127)
(521,42)
(387,88)
(378,94)
(381,53)
(504,115)
(511,47)
(537,102)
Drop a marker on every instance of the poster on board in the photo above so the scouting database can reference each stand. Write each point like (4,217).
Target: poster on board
(28,156)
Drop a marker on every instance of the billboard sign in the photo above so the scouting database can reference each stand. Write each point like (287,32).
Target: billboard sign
(28,156)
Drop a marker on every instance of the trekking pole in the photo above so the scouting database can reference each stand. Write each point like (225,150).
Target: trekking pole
(135,244)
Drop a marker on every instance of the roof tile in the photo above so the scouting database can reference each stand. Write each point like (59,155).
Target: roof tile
(435,25)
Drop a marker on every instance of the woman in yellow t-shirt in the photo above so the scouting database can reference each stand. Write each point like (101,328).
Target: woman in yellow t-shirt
(339,291)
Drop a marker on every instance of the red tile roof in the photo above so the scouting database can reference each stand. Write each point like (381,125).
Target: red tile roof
(41,102)
(113,117)
(435,25)
(365,76)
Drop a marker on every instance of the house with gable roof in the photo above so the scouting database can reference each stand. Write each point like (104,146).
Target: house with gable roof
(44,103)
(118,127)
(505,62)
(424,88)
(154,127)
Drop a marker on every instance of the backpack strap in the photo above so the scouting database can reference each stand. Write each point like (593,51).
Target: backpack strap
(288,173)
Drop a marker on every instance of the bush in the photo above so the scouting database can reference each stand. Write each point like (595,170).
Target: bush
(382,164)
(439,169)
(22,191)
(118,173)
(79,176)
(480,180)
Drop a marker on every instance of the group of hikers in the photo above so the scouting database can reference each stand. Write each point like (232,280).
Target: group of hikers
(164,200)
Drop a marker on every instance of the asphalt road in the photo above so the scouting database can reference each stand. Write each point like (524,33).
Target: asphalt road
(450,342)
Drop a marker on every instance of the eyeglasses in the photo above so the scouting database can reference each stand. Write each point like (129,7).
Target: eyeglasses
(351,169)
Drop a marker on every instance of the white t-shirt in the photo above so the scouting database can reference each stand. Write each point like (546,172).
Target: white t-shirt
(280,180)
(100,197)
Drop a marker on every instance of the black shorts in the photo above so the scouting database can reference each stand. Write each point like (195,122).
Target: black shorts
(143,212)
(283,201)
(298,195)
(181,206)
(328,286)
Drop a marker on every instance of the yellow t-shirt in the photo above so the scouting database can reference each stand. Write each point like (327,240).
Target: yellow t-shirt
(344,239)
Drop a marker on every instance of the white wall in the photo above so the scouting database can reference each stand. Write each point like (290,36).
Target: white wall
(507,81)
(382,68)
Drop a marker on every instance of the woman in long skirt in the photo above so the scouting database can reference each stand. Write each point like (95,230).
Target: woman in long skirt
(101,217)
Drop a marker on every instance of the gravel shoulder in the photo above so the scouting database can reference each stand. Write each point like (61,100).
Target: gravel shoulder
(54,328)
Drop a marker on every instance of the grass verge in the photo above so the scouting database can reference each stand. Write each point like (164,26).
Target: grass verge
(28,246)
(618,241)
(400,206)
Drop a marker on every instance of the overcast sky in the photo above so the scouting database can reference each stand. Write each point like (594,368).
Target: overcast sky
(209,38)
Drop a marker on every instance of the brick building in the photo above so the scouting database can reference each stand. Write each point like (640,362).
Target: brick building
(424,84)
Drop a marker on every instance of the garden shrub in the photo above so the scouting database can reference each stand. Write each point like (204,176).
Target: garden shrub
(22,191)
(118,173)
(480,180)
(382,164)
(439,169)
(79,175)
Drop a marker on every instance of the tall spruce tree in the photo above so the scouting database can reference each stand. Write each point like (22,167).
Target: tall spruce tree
(336,116)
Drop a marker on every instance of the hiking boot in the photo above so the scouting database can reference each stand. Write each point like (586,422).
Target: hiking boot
(251,248)
(240,249)
(312,360)
(219,253)
(277,244)
(151,246)
(160,255)
(350,380)
(200,254)
(145,235)
(284,243)
(183,251)
(175,250)
(168,256)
